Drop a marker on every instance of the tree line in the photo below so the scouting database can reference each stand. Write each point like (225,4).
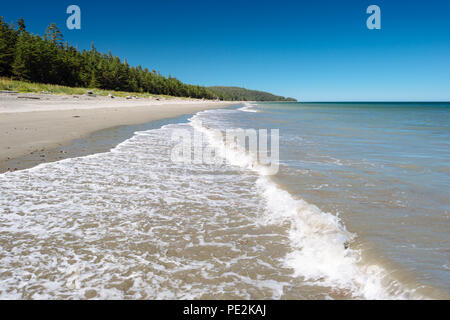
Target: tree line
(48,59)
(241,94)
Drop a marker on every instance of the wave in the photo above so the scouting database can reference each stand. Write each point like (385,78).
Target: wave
(248,108)
(130,224)
(321,246)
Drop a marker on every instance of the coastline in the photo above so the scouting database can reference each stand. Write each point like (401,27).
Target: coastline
(35,128)
(371,275)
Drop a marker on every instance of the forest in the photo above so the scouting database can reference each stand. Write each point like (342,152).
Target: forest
(49,59)
(241,94)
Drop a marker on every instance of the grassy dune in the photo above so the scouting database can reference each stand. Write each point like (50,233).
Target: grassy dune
(29,87)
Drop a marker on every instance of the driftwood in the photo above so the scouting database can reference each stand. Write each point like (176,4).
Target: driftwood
(26,97)
(11,92)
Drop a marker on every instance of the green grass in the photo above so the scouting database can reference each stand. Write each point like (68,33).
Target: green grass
(29,87)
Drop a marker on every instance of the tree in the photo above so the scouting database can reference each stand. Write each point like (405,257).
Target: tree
(54,35)
(8,40)
(25,58)
(21,25)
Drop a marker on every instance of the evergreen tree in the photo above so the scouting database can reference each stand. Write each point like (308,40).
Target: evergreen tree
(54,35)
(8,40)
(21,25)
(22,66)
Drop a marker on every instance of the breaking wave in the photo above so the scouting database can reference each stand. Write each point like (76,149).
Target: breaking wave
(131,224)
(320,244)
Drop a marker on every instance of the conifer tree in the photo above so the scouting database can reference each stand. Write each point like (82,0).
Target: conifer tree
(54,35)
(21,25)
(8,40)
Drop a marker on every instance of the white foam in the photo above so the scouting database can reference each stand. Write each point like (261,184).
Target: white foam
(131,224)
(232,153)
(320,242)
(248,108)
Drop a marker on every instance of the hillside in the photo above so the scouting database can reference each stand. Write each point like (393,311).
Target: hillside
(241,94)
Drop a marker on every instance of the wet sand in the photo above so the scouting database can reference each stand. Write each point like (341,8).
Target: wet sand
(38,128)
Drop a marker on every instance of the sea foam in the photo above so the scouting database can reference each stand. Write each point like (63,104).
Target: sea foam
(248,107)
(131,224)
(320,243)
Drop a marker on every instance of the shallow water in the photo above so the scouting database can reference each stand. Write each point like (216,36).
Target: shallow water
(384,168)
(131,224)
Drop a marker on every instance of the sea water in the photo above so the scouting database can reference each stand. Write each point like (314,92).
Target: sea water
(359,209)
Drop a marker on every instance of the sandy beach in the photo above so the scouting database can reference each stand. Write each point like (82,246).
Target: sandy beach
(36,125)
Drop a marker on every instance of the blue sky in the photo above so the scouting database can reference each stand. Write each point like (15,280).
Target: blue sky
(311,50)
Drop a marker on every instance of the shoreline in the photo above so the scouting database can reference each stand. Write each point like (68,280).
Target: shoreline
(38,128)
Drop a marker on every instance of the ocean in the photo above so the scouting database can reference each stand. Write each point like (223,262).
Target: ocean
(359,209)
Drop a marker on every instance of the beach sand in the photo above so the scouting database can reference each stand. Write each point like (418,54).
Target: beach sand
(35,127)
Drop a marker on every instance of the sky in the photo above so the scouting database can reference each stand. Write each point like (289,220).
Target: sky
(312,50)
